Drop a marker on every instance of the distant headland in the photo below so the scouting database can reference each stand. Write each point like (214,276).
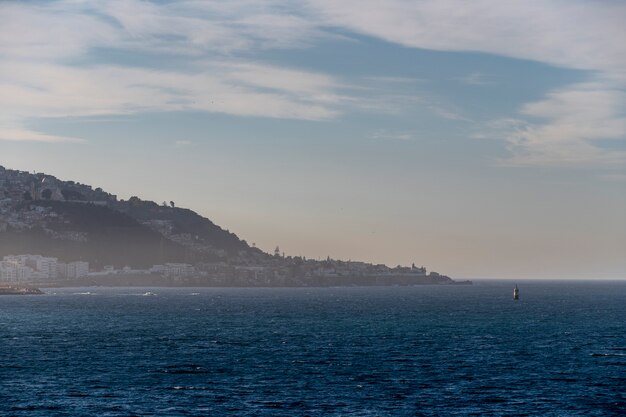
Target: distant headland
(63,233)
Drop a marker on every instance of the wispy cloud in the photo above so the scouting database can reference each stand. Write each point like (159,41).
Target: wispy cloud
(182,143)
(560,129)
(565,128)
(52,90)
(396,80)
(569,33)
(449,114)
(386,134)
(40,79)
(42,45)
(477,78)
(26,135)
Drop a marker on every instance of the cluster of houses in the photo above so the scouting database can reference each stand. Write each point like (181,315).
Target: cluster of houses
(168,270)
(18,186)
(22,185)
(20,269)
(38,268)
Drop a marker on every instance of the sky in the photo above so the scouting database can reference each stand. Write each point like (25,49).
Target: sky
(481,139)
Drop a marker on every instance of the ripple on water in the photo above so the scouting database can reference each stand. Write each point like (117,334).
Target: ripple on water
(340,351)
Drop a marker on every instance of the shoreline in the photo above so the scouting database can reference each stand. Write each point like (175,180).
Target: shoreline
(20,290)
(85,285)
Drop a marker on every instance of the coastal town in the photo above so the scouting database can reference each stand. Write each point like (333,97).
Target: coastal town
(40,270)
(54,222)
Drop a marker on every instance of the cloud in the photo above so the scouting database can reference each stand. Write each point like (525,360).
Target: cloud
(59,91)
(25,135)
(60,30)
(395,80)
(40,77)
(385,134)
(46,70)
(564,127)
(182,143)
(477,78)
(568,33)
(568,128)
(449,114)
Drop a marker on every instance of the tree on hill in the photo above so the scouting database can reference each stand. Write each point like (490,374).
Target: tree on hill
(69,194)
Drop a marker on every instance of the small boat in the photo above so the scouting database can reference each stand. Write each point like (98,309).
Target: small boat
(516,293)
(149,294)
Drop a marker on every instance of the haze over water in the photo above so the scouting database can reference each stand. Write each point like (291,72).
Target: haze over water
(422,351)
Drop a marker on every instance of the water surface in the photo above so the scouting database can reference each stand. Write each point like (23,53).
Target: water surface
(417,351)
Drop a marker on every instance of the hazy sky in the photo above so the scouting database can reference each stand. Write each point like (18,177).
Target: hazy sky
(480,139)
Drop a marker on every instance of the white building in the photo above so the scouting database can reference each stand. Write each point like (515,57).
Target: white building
(24,273)
(174,270)
(47,267)
(77,269)
(8,272)
(72,270)
(61,270)
(14,272)
(180,269)
(33,267)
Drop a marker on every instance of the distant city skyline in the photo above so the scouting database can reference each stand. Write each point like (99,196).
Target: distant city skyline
(480,140)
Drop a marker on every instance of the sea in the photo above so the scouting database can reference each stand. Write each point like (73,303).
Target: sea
(560,350)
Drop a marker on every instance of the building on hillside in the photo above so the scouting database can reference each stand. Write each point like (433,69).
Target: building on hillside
(47,267)
(72,270)
(13,272)
(8,272)
(78,269)
(44,268)
(61,270)
(174,270)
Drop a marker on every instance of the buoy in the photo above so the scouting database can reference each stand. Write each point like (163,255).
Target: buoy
(516,293)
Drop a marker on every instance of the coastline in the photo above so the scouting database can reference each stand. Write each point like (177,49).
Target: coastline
(19,290)
(132,280)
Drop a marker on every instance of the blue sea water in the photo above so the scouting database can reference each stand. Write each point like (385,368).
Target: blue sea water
(416,351)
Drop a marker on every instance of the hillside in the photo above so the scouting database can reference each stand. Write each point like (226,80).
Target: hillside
(47,221)
(42,214)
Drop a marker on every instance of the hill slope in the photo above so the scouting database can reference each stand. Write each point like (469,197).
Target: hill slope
(42,215)
(68,220)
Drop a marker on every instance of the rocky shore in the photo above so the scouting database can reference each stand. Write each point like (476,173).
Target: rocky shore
(13,290)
